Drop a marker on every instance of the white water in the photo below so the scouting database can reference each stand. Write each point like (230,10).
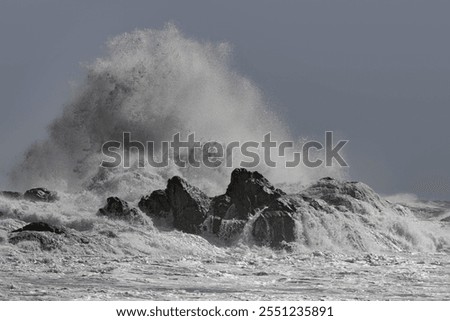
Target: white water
(153,84)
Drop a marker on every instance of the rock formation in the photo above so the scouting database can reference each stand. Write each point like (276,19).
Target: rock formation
(40,194)
(188,203)
(119,209)
(156,204)
(250,191)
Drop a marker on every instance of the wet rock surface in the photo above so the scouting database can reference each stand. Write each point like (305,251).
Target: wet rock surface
(116,208)
(189,205)
(220,206)
(11,195)
(47,236)
(40,194)
(280,251)
(250,191)
(156,204)
(274,228)
(41,227)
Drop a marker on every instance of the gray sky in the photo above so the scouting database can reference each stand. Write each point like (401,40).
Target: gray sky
(377,72)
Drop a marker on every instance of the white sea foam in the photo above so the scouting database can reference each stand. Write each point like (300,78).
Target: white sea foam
(153,84)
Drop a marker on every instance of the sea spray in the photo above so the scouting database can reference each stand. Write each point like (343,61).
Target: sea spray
(153,84)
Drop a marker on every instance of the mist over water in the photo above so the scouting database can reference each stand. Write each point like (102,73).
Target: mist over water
(153,84)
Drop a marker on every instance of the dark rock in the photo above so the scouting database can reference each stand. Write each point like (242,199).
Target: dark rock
(189,205)
(250,191)
(11,195)
(156,204)
(109,233)
(282,204)
(220,206)
(273,228)
(41,227)
(262,273)
(40,194)
(118,209)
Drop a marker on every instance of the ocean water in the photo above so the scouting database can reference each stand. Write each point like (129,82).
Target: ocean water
(153,84)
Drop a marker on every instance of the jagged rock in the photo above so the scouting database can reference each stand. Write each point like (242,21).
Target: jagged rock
(247,193)
(118,209)
(188,203)
(41,227)
(250,191)
(274,228)
(11,195)
(220,207)
(156,204)
(40,194)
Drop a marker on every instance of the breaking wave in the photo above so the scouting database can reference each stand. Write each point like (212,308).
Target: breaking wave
(153,84)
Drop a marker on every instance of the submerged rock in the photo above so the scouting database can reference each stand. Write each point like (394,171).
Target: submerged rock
(11,195)
(189,205)
(40,194)
(47,241)
(249,191)
(41,227)
(344,194)
(156,204)
(48,237)
(119,209)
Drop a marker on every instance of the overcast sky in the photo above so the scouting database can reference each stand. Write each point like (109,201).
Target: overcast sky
(377,72)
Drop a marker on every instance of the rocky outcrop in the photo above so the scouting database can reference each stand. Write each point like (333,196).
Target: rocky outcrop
(156,204)
(250,191)
(189,205)
(220,206)
(116,208)
(249,194)
(225,215)
(40,194)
